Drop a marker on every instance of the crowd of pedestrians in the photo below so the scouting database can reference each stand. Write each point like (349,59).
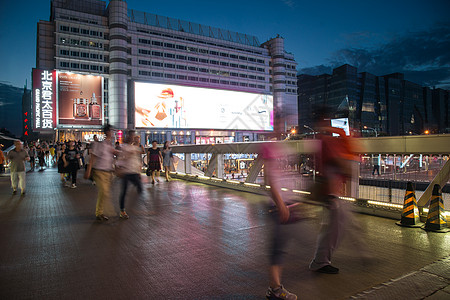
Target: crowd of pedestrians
(103,160)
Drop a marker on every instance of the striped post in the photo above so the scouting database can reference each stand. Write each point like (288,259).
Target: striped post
(410,214)
(436,220)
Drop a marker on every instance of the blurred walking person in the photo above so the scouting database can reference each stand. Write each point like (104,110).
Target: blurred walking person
(167,159)
(130,163)
(41,157)
(281,231)
(154,159)
(101,166)
(17,158)
(71,161)
(334,164)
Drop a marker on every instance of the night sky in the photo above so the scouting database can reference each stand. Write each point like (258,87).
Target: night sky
(380,37)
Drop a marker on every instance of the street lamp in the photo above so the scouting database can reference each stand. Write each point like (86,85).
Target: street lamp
(312,130)
(376,133)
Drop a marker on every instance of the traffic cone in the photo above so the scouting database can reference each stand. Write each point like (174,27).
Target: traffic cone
(410,214)
(436,220)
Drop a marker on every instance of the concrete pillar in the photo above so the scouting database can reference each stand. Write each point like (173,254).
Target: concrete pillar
(118,63)
(187,163)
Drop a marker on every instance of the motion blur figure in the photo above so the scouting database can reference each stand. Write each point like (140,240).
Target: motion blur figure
(281,216)
(334,164)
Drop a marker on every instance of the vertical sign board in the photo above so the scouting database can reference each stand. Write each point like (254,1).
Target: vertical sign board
(43,95)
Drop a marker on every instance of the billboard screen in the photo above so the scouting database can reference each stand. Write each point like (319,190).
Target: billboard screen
(174,106)
(44,108)
(80,99)
(341,123)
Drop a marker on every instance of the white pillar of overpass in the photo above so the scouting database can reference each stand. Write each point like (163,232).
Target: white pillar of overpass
(187,163)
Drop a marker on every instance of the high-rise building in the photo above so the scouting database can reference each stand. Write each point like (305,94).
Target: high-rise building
(386,104)
(124,46)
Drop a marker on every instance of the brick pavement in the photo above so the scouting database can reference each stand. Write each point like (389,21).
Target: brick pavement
(185,241)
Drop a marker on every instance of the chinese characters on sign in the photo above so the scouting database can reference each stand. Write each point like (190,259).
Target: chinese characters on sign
(47,100)
(43,102)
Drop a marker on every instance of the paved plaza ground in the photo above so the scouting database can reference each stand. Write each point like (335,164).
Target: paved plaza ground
(192,241)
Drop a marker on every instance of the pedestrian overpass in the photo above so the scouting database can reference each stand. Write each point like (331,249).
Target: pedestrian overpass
(398,150)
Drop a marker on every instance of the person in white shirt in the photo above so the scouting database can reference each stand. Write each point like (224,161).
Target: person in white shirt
(101,166)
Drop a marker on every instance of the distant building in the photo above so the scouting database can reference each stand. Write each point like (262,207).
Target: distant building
(386,105)
(125,46)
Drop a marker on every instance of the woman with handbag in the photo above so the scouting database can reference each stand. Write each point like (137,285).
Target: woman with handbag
(71,161)
(154,159)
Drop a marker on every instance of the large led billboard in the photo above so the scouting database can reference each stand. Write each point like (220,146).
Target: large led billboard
(80,101)
(173,106)
(44,108)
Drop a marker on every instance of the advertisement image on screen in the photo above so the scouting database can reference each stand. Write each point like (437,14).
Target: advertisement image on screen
(80,99)
(174,106)
(341,123)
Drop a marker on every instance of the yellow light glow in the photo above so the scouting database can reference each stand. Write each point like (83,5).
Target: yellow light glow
(301,192)
(251,184)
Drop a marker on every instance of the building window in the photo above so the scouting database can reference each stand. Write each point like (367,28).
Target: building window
(192,78)
(213,52)
(74,53)
(64,28)
(224,82)
(169,55)
(84,67)
(182,77)
(74,65)
(234,56)
(203,79)
(64,52)
(156,43)
(234,74)
(170,66)
(182,57)
(64,64)
(242,58)
(214,81)
(194,69)
(243,67)
(213,62)
(252,76)
(203,70)
(190,58)
(192,49)
(157,64)
(261,78)
(262,87)
(234,65)
(234,83)
(94,68)
(204,51)
(243,84)
(225,64)
(169,45)
(181,47)
(157,74)
(203,60)
(260,61)
(181,67)
(243,75)
(157,53)
(74,30)
(224,54)
(84,31)
(171,76)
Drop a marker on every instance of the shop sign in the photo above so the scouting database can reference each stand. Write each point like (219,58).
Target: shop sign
(44,99)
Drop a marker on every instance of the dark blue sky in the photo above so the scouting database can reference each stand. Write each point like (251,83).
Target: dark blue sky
(377,36)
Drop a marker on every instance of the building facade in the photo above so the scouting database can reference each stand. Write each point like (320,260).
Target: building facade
(387,105)
(125,46)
